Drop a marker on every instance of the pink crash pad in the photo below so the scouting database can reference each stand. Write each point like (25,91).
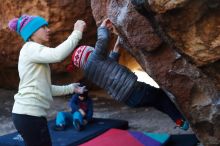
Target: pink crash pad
(114,137)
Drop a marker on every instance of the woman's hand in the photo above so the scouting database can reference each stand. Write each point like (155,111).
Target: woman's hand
(80,25)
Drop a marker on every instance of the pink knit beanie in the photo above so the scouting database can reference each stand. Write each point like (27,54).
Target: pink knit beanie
(80,55)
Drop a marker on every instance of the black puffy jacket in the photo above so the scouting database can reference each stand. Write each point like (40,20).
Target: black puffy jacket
(106,73)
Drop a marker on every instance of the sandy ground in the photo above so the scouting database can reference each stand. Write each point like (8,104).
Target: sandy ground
(140,119)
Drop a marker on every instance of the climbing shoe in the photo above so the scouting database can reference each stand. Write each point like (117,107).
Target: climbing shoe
(182,124)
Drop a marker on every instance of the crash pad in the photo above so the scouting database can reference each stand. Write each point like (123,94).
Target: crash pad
(70,137)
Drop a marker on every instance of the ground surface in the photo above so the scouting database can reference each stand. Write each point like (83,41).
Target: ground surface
(141,119)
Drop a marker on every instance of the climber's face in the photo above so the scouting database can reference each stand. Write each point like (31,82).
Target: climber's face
(81,97)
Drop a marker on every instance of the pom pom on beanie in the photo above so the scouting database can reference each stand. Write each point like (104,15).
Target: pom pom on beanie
(13,24)
(24,20)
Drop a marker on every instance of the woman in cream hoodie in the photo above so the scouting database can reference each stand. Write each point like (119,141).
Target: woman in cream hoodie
(35,90)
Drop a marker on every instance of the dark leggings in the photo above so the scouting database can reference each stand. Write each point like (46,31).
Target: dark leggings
(34,130)
(145,95)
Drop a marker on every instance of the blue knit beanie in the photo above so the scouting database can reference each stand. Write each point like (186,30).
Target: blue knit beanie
(26,25)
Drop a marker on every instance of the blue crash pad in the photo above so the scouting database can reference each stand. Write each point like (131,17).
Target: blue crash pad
(69,137)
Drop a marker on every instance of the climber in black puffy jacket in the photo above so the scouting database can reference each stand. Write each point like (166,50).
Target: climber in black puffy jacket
(120,82)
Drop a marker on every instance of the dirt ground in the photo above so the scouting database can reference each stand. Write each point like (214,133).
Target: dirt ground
(140,119)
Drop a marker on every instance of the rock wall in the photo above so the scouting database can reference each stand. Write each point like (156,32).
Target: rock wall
(178,44)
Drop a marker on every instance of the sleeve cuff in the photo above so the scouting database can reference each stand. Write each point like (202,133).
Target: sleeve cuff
(77,33)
